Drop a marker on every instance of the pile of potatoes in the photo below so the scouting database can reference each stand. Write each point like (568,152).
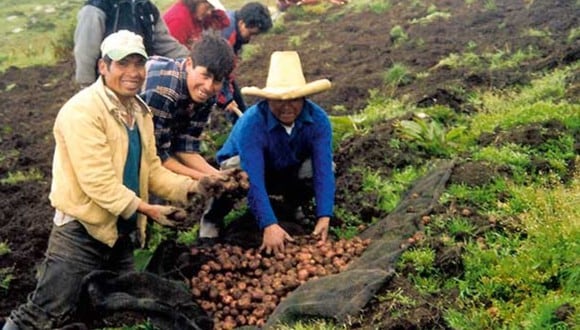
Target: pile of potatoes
(242,287)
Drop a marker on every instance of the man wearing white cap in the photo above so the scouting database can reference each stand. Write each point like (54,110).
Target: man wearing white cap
(105,163)
(280,142)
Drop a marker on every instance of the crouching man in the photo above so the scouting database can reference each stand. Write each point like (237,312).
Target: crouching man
(105,163)
(281,142)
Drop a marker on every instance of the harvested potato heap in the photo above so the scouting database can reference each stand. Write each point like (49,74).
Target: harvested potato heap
(242,287)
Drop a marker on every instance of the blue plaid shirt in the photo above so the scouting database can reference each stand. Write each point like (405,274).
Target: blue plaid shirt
(263,145)
(178,121)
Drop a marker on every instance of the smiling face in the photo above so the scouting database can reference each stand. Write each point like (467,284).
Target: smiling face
(124,77)
(286,111)
(201,84)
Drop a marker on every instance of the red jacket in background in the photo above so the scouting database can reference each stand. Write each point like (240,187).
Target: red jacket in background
(184,27)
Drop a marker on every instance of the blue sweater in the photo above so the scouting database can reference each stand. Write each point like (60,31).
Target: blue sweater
(263,145)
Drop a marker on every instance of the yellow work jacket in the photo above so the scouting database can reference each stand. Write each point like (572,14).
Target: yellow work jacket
(89,159)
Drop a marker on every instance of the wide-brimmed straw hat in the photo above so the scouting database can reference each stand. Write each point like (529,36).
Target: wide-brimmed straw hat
(285,79)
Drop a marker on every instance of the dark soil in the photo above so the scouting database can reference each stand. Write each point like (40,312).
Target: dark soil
(354,50)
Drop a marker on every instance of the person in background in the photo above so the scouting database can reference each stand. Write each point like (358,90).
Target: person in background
(99,18)
(187,19)
(284,144)
(247,22)
(181,94)
(105,163)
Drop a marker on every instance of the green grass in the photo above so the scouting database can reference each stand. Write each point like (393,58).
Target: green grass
(429,135)
(390,189)
(541,101)
(311,325)
(20,176)
(147,325)
(420,259)
(6,273)
(6,276)
(573,35)
(517,273)
(249,51)
(4,248)
(39,32)
(398,35)
(398,298)
(515,277)
(376,6)
(29,28)
(397,75)
(431,17)
(379,108)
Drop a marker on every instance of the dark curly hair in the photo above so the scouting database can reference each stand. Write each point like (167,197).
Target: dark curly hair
(255,15)
(215,53)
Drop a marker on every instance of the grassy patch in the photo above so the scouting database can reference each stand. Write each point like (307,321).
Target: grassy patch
(4,248)
(6,276)
(420,259)
(376,6)
(29,27)
(40,32)
(397,75)
(390,189)
(431,17)
(541,101)
(20,176)
(379,108)
(249,51)
(398,35)
(501,59)
(525,277)
(429,135)
(311,325)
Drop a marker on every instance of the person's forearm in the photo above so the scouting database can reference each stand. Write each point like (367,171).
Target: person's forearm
(177,167)
(196,162)
(144,208)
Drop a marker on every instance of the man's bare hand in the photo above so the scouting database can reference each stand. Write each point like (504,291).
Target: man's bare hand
(211,185)
(167,215)
(229,178)
(274,238)
(232,107)
(321,228)
(239,177)
(215,185)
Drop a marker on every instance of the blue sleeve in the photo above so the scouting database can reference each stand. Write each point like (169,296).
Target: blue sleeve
(323,176)
(252,146)
(252,161)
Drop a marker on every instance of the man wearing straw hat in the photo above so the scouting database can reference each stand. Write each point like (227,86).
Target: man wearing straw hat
(280,142)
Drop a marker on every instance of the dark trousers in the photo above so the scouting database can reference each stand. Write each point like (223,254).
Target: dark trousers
(71,254)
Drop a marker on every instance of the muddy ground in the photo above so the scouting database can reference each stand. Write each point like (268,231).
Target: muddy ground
(349,46)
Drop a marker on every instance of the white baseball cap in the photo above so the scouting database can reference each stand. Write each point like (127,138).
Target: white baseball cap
(122,43)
